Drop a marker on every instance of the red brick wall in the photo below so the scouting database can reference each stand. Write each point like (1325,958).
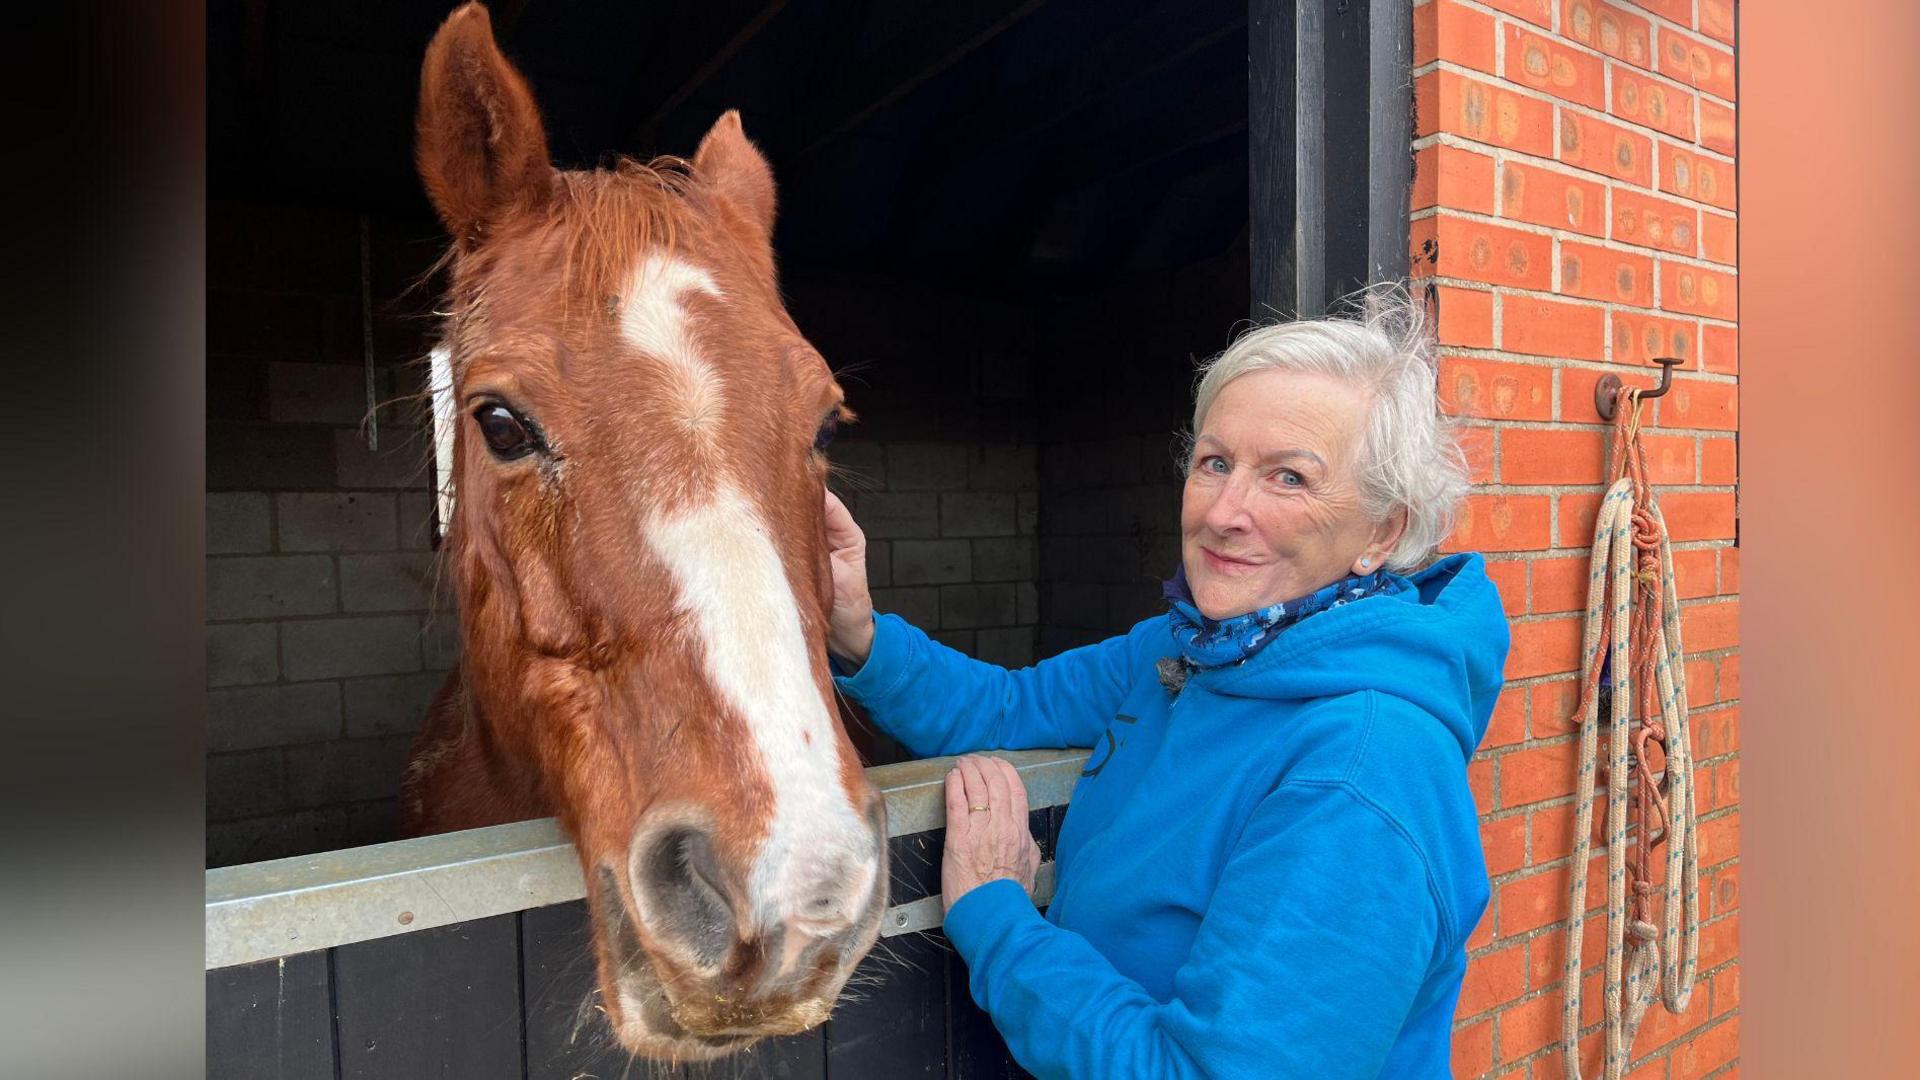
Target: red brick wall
(1574,204)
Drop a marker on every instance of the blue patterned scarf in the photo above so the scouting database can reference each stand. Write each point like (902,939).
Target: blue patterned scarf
(1207,643)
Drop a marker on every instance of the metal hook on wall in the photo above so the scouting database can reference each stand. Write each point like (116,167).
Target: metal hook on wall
(1606,393)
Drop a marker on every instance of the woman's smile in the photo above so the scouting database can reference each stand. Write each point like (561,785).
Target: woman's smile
(1226,564)
(1272,508)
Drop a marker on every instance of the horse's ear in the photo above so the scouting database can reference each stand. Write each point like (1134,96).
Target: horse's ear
(735,169)
(480,146)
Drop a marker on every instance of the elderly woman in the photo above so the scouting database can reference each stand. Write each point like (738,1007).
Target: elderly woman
(1271,864)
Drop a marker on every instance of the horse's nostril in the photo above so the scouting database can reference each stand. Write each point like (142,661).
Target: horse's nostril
(824,910)
(678,882)
(835,901)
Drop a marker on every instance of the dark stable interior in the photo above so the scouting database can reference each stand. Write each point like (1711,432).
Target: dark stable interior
(1013,225)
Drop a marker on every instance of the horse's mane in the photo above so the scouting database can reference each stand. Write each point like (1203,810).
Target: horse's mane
(608,216)
(599,221)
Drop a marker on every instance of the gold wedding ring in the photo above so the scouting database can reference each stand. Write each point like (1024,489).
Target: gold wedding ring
(977,809)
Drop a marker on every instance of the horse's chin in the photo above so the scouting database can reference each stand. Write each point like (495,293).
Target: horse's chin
(651,1023)
(682,1049)
(676,1032)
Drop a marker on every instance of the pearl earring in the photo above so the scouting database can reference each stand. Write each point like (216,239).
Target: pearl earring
(1364,563)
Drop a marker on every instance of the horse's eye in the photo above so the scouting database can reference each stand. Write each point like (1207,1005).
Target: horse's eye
(825,435)
(508,434)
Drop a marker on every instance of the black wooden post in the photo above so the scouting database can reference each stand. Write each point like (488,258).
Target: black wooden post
(1271,151)
(1389,137)
(1330,149)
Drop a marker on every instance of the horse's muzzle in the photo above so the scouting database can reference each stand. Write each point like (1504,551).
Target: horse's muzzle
(693,967)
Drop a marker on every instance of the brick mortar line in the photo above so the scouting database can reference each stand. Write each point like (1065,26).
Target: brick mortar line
(1562,806)
(1563,800)
(1653,40)
(1583,425)
(273,814)
(1678,545)
(1499,444)
(1500,942)
(1527,937)
(1636,127)
(1600,487)
(308,682)
(1570,552)
(1611,60)
(1561,363)
(1694,483)
(1703,654)
(1695,602)
(1611,244)
(1632,6)
(1664,1050)
(1654,134)
(1701,977)
(1500,39)
(1730,1067)
(1539,742)
(1502,154)
(1563,864)
(1468,284)
(1519,290)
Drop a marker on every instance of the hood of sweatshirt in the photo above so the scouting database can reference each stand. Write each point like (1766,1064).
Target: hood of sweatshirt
(1439,644)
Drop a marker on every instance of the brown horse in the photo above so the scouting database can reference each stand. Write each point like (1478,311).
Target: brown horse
(639,552)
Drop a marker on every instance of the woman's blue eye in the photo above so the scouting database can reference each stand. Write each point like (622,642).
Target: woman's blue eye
(1291,478)
(1213,464)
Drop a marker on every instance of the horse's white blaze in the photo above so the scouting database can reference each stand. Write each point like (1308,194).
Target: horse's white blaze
(654,319)
(733,584)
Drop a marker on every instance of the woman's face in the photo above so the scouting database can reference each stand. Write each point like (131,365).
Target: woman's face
(1272,508)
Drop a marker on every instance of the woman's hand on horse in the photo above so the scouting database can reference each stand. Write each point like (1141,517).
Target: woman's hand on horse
(987,834)
(850,625)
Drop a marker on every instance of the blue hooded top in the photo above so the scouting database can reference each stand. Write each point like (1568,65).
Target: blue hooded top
(1272,873)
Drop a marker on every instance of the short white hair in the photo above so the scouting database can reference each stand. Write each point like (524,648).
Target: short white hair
(1409,456)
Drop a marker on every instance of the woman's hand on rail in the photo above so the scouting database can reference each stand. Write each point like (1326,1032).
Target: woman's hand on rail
(850,625)
(987,834)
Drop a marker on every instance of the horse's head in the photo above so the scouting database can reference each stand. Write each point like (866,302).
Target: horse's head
(640,554)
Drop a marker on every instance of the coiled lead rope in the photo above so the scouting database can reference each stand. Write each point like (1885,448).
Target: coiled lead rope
(1633,633)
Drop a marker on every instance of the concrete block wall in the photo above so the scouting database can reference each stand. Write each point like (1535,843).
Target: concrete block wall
(324,637)
(1117,386)
(950,539)
(942,469)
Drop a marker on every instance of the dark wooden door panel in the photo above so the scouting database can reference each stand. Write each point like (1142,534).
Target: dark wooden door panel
(441,1003)
(272,1020)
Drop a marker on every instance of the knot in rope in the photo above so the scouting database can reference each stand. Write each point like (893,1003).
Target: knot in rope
(1633,636)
